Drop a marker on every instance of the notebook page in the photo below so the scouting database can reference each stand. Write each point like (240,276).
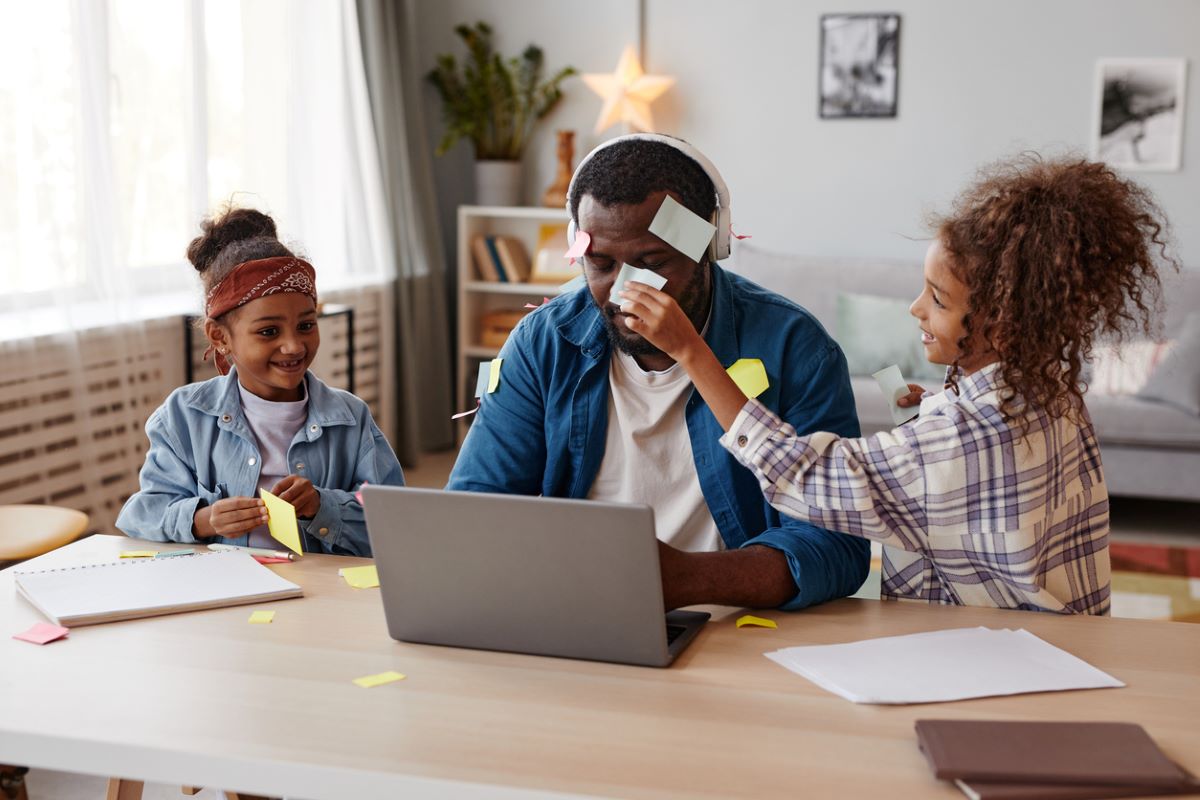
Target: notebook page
(146,584)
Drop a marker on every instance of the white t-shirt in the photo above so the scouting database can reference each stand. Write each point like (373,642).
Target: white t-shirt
(274,426)
(648,454)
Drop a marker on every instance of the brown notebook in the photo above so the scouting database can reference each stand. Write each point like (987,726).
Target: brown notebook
(1079,753)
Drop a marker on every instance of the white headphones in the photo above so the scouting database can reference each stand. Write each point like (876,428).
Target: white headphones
(718,248)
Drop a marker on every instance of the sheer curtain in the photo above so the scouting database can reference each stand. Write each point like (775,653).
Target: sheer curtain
(122,124)
(424,381)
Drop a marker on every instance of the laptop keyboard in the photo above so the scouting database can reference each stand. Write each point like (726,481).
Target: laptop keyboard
(673,632)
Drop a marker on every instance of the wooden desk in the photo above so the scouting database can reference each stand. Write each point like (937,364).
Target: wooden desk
(209,700)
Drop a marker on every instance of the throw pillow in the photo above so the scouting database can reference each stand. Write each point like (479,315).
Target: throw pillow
(1176,381)
(876,332)
(1124,368)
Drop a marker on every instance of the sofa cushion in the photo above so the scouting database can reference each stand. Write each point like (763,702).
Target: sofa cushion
(876,332)
(1130,420)
(1176,380)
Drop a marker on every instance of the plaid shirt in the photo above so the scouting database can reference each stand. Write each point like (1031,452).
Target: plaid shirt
(970,512)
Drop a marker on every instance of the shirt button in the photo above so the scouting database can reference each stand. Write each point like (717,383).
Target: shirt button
(741,441)
(300,467)
(314,428)
(226,418)
(252,461)
(323,532)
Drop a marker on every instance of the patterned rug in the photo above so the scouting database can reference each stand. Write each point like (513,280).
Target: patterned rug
(1152,581)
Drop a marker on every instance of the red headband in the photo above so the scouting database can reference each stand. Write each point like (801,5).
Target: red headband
(254,279)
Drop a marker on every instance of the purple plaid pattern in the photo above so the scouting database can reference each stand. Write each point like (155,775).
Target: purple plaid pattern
(968,511)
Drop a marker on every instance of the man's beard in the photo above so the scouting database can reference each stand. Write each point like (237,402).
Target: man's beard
(693,301)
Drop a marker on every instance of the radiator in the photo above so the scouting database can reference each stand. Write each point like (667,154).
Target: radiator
(73,410)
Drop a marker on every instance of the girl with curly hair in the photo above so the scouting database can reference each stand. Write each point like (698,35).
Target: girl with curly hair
(994,495)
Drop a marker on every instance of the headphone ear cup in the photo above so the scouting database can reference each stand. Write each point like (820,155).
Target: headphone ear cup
(570,233)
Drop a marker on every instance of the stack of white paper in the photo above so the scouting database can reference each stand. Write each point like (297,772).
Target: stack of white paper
(941,666)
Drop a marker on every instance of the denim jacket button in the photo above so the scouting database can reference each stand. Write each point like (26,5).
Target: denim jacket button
(300,467)
(314,428)
(226,418)
(323,532)
(252,461)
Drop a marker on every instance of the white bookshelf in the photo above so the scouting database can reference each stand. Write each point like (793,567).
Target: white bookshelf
(477,297)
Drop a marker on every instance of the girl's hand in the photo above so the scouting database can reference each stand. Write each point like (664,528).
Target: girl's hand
(229,517)
(657,317)
(913,398)
(300,493)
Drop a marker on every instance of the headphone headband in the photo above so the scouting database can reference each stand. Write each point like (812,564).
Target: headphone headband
(719,248)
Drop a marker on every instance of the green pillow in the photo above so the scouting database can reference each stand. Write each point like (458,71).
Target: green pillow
(876,332)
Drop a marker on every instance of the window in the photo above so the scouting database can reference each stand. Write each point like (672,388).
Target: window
(124,122)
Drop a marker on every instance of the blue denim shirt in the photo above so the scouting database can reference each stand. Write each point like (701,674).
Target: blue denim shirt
(543,430)
(202,450)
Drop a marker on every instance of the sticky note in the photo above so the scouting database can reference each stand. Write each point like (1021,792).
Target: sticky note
(368,681)
(579,247)
(494,375)
(628,273)
(271,560)
(281,521)
(139,554)
(173,553)
(750,376)
(679,227)
(361,577)
(572,284)
(892,384)
(42,633)
(261,617)
(757,622)
(539,305)
(462,414)
(358,494)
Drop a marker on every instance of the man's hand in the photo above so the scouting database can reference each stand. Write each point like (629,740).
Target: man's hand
(657,317)
(755,576)
(229,517)
(913,398)
(300,493)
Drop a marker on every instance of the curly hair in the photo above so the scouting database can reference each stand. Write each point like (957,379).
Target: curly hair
(228,238)
(1054,253)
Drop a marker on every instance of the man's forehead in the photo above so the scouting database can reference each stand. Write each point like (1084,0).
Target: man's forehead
(626,218)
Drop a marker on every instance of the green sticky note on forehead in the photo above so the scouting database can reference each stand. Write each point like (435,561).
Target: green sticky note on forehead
(682,229)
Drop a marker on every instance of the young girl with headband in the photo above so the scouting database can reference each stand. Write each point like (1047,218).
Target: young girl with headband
(994,495)
(267,422)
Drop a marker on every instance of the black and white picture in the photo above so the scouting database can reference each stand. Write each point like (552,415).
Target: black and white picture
(860,65)
(1139,116)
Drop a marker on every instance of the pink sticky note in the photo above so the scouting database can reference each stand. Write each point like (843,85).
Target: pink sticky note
(358,494)
(539,305)
(739,236)
(582,240)
(462,414)
(42,633)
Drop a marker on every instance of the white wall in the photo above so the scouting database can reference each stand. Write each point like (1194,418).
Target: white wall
(978,81)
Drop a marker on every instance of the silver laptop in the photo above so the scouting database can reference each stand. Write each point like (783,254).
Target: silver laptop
(571,578)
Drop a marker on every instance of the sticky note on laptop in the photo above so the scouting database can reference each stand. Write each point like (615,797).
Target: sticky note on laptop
(628,273)
(683,229)
(281,522)
(892,384)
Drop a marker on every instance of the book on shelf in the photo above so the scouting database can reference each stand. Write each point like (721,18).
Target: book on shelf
(482,254)
(513,258)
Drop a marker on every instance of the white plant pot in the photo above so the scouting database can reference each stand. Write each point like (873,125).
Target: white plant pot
(498,183)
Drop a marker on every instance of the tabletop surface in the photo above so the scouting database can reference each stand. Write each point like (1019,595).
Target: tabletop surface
(206,698)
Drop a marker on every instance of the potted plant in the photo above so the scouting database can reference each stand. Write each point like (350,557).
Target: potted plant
(494,103)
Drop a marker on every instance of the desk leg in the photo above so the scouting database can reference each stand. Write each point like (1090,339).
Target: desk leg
(123,789)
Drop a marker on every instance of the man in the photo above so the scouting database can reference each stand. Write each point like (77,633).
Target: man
(588,409)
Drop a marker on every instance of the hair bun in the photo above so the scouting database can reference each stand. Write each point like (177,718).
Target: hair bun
(235,225)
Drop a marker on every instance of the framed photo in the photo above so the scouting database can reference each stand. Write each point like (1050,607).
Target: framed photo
(1138,113)
(860,65)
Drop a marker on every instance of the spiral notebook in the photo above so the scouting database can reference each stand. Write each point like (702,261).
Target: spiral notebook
(148,587)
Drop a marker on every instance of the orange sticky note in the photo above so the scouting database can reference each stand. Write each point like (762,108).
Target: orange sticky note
(757,622)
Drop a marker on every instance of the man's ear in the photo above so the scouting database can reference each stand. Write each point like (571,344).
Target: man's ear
(217,335)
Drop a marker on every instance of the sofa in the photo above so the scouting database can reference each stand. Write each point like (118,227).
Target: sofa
(1150,448)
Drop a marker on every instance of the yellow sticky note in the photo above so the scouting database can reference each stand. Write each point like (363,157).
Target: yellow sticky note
(281,521)
(361,577)
(261,617)
(756,621)
(494,375)
(750,376)
(369,681)
(139,554)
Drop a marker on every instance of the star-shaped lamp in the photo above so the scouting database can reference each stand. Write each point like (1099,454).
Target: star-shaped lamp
(627,93)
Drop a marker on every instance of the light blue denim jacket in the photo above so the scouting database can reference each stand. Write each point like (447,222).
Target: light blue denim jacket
(202,450)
